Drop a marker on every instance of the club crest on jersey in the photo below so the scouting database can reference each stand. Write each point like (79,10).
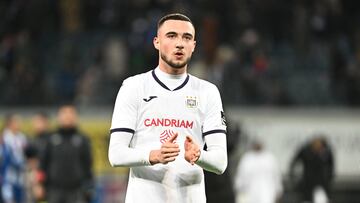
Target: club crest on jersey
(191,102)
(166,135)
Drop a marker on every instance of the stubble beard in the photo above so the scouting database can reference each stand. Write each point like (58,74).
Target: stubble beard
(176,65)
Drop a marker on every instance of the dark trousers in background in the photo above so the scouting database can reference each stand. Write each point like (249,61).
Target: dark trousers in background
(61,195)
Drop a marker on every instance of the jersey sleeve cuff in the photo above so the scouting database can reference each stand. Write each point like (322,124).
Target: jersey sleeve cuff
(128,130)
(146,156)
(213,131)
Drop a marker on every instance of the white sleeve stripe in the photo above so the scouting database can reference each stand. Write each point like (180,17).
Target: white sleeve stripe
(128,130)
(213,131)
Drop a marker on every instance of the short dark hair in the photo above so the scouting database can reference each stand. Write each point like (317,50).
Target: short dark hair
(173,16)
(43,115)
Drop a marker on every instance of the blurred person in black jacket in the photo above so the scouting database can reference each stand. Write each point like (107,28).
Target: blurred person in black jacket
(34,153)
(41,127)
(67,161)
(316,159)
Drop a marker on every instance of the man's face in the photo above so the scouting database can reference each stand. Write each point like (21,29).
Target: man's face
(40,124)
(67,117)
(317,145)
(15,123)
(176,42)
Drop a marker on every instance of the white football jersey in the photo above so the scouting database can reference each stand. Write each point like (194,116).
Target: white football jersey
(150,110)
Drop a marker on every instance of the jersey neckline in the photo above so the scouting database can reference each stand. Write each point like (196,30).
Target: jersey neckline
(164,86)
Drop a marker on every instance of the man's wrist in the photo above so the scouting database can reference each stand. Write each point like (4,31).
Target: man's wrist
(153,157)
(198,158)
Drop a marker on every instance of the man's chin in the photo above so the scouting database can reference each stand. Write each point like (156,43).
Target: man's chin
(177,65)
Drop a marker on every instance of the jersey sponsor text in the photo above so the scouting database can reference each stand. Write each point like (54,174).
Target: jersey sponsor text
(148,122)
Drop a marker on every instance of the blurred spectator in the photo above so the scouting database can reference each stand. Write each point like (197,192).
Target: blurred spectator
(34,153)
(71,16)
(353,82)
(68,161)
(338,73)
(13,161)
(22,78)
(316,159)
(66,82)
(258,178)
(90,82)
(244,72)
(275,35)
(41,127)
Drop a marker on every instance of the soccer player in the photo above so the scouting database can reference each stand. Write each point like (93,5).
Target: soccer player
(163,118)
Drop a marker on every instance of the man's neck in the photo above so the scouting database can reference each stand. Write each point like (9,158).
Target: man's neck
(173,71)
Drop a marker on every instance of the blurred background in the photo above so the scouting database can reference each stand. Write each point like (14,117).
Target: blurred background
(287,70)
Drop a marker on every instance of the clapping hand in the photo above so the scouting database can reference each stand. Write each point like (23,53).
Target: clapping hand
(192,150)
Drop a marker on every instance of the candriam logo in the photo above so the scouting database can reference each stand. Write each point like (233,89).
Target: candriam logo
(167,122)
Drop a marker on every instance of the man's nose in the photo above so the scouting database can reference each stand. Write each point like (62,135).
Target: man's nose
(179,46)
(179,43)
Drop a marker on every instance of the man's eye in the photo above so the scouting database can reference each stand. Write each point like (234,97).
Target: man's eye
(187,37)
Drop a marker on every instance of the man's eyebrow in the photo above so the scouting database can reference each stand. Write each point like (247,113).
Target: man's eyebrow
(175,33)
(171,33)
(188,34)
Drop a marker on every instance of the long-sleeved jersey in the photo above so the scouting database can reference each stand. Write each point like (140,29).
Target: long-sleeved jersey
(147,112)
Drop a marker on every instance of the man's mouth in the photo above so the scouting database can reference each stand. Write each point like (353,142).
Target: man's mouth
(179,54)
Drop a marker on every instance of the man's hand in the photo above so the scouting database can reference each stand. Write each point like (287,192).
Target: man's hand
(167,153)
(192,150)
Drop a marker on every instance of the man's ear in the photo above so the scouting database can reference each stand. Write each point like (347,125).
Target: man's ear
(156,42)
(194,46)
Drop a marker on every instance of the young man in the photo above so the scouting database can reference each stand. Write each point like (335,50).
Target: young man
(163,118)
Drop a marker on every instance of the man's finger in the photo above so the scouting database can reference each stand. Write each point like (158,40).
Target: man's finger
(169,155)
(170,150)
(188,138)
(169,145)
(170,159)
(173,138)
